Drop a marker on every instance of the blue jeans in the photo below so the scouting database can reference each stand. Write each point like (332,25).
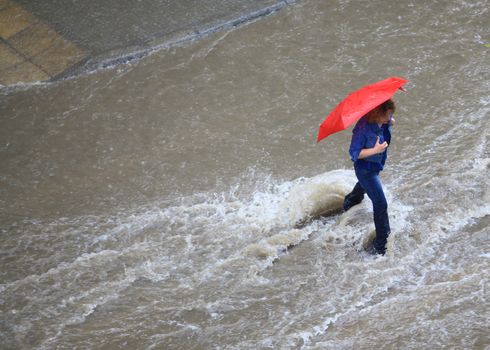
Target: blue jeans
(370,183)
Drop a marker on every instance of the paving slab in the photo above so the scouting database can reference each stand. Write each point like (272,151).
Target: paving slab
(14,19)
(56,59)
(24,72)
(8,56)
(35,39)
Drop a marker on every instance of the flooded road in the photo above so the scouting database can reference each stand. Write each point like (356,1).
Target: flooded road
(153,205)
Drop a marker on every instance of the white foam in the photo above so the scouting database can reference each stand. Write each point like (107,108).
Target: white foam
(215,233)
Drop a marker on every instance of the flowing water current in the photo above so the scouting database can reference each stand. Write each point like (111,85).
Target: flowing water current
(154,205)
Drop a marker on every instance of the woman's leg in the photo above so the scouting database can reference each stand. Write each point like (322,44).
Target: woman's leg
(371,183)
(355,197)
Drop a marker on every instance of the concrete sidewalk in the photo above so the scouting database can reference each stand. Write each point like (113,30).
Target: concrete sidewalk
(46,40)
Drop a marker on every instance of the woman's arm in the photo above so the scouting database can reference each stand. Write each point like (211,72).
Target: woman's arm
(378,148)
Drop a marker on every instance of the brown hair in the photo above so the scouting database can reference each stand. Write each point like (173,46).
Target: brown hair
(373,115)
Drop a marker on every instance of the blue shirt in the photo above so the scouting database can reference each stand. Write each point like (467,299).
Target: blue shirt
(364,135)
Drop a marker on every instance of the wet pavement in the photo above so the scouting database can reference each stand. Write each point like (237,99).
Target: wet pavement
(30,49)
(46,40)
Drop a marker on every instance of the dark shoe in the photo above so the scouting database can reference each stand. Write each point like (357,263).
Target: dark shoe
(380,248)
(371,250)
(379,252)
(354,198)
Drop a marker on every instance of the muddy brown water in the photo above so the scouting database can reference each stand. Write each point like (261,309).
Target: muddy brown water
(150,205)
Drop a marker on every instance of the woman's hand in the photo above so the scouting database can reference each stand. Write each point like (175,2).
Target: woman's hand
(378,148)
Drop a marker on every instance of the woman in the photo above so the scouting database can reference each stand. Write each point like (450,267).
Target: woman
(368,150)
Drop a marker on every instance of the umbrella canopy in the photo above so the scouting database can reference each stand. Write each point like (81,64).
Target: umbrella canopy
(357,104)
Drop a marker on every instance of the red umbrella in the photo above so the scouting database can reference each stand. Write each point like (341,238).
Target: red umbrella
(357,104)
